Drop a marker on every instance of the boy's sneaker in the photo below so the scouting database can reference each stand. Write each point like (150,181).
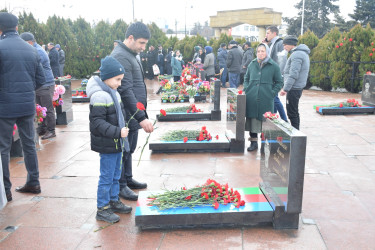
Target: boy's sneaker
(119,207)
(106,214)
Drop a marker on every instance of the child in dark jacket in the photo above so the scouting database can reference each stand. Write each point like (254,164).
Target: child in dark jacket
(108,136)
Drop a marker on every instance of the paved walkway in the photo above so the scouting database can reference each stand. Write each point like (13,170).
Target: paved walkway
(338,202)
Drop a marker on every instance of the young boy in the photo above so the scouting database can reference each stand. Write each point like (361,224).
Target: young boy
(108,136)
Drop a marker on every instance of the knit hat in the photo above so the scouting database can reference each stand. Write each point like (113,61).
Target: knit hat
(110,67)
(233,42)
(223,45)
(8,20)
(57,46)
(27,36)
(290,40)
(248,44)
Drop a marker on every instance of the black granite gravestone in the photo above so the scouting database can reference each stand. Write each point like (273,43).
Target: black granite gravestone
(236,111)
(368,90)
(64,113)
(232,141)
(282,171)
(213,115)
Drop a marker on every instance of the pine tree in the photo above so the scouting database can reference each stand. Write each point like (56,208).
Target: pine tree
(364,12)
(315,17)
(320,66)
(349,48)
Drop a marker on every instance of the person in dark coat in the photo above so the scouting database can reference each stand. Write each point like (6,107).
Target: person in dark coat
(279,56)
(160,60)
(262,83)
(168,61)
(248,56)
(54,60)
(45,93)
(152,58)
(133,90)
(222,55)
(234,62)
(20,74)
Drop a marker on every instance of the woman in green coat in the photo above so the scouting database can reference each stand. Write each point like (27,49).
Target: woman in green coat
(262,83)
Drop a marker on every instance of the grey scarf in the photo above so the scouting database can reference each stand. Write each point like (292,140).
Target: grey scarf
(120,116)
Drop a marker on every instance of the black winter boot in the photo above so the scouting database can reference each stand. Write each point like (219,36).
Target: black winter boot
(106,214)
(253,146)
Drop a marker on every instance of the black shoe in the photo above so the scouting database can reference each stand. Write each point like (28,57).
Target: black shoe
(29,189)
(128,194)
(42,132)
(253,146)
(9,196)
(133,184)
(119,207)
(106,214)
(48,135)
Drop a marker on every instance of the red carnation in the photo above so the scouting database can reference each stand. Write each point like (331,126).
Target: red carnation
(184,188)
(337,46)
(217,137)
(344,38)
(350,39)
(372,43)
(140,106)
(341,44)
(242,203)
(370,54)
(373,49)
(162,112)
(240,92)
(188,197)
(341,105)
(216,205)
(185,139)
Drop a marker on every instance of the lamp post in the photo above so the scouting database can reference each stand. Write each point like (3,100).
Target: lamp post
(185,14)
(303,15)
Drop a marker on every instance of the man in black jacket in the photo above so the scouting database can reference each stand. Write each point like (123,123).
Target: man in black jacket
(133,90)
(20,74)
(54,60)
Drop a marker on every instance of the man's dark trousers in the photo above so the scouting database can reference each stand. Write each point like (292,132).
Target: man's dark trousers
(292,101)
(25,126)
(44,98)
(126,172)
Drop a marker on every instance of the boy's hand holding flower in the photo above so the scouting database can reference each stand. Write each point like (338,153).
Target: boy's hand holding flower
(124,132)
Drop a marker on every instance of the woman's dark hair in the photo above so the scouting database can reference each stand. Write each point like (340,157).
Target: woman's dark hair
(138,30)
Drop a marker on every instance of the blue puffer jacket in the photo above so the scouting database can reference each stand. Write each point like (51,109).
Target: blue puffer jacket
(20,74)
(50,80)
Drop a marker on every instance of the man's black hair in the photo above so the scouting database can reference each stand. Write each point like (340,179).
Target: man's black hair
(273,29)
(138,30)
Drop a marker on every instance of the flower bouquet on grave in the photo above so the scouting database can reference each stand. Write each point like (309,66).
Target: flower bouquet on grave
(350,103)
(191,91)
(276,119)
(172,98)
(187,77)
(164,97)
(41,113)
(185,135)
(211,194)
(181,97)
(190,109)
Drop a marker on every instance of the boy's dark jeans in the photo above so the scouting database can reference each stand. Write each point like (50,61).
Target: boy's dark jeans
(292,101)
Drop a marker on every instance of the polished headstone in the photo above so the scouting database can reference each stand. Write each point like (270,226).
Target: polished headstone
(236,111)
(368,90)
(282,170)
(64,113)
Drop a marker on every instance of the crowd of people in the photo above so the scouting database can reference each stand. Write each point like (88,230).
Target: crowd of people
(118,97)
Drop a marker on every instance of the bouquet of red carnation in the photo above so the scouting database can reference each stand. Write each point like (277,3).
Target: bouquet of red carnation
(210,193)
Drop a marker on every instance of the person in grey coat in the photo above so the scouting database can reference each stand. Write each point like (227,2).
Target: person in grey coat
(248,56)
(61,58)
(234,62)
(209,63)
(295,76)
(133,90)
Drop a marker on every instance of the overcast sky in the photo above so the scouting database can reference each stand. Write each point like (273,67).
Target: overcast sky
(162,12)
